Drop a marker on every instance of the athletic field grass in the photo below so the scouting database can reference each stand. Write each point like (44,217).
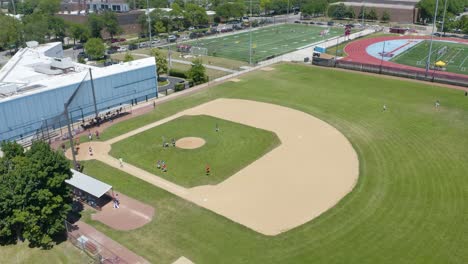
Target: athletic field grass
(268,41)
(62,253)
(233,147)
(454,54)
(409,205)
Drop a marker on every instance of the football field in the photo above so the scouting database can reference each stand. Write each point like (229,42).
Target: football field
(455,55)
(266,42)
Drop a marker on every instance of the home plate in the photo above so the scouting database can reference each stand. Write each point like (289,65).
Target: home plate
(183,260)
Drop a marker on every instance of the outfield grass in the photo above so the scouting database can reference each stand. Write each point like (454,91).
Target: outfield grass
(456,55)
(62,253)
(268,41)
(226,152)
(409,205)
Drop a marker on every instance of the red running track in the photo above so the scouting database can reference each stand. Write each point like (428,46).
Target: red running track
(356,51)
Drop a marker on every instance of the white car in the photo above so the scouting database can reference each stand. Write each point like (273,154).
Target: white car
(191,28)
(122,49)
(154,42)
(142,45)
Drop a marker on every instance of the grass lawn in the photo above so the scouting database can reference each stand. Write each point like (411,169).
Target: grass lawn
(268,41)
(410,202)
(212,74)
(62,253)
(455,55)
(227,151)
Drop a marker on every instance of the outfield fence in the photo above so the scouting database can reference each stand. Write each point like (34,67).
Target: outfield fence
(432,76)
(98,254)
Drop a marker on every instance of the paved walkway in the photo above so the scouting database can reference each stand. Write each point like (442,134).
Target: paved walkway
(113,248)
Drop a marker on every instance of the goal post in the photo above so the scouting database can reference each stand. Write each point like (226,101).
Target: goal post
(198,51)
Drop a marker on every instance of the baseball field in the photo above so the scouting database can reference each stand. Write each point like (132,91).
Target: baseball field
(408,205)
(268,41)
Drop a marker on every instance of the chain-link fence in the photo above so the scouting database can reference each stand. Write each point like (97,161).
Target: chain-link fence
(97,253)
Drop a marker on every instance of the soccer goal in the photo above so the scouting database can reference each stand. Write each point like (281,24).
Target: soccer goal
(198,51)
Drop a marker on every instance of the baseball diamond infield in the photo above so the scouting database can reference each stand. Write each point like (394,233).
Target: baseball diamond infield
(314,167)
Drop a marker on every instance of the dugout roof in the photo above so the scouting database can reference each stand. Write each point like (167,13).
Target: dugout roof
(88,184)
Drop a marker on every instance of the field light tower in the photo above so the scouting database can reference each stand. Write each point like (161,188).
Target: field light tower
(149,22)
(250,34)
(428,62)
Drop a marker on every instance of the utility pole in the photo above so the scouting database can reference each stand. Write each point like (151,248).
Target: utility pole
(363,13)
(443,19)
(428,62)
(250,34)
(94,93)
(70,136)
(149,22)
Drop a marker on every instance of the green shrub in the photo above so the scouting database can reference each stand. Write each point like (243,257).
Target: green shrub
(179,86)
(177,73)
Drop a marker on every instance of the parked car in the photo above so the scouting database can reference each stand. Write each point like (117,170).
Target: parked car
(78,46)
(122,49)
(111,51)
(132,46)
(172,38)
(142,45)
(191,28)
(154,42)
(330,23)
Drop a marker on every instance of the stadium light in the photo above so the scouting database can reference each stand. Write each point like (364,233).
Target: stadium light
(250,34)
(443,19)
(428,62)
(149,22)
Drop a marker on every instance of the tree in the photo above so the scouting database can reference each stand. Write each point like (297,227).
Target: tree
(351,14)
(427,8)
(159,27)
(463,24)
(372,15)
(96,25)
(111,24)
(195,15)
(36,27)
(128,57)
(79,31)
(95,48)
(57,27)
(315,7)
(161,62)
(34,198)
(362,13)
(9,31)
(265,5)
(197,72)
(49,7)
(385,16)
(231,10)
(340,11)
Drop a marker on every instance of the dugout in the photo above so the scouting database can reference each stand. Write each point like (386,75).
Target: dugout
(401,31)
(323,59)
(90,191)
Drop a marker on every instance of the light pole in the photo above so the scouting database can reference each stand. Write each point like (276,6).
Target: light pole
(250,34)
(149,22)
(428,62)
(443,19)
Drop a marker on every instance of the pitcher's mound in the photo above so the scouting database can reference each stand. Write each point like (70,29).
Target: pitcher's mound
(190,142)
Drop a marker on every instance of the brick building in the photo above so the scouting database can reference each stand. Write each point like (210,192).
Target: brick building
(401,11)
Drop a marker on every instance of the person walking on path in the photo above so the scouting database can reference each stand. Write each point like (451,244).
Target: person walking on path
(121,162)
(207,169)
(90,136)
(437,104)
